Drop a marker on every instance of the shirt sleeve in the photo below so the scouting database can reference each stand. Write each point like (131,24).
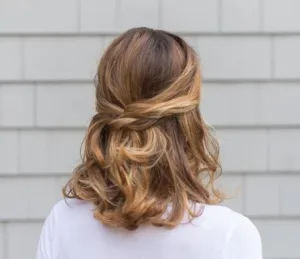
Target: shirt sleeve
(44,249)
(244,241)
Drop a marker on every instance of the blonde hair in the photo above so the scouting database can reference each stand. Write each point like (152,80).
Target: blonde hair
(147,146)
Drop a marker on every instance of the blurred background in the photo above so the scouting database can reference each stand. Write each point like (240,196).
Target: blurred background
(250,55)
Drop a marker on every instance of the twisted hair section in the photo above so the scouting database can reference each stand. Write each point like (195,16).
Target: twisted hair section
(147,148)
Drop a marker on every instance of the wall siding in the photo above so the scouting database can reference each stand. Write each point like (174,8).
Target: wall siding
(249,51)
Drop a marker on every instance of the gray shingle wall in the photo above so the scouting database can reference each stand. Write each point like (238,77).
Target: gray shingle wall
(250,54)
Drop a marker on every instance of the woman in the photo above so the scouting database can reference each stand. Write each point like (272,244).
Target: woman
(145,188)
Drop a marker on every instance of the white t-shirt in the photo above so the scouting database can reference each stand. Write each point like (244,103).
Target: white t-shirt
(71,232)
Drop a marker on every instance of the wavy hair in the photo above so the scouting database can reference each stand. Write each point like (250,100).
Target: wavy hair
(147,146)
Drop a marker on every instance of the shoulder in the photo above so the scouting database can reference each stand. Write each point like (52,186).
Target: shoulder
(244,232)
(222,215)
(69,210)
(241,237)
(233,223)
(63,213)
(70,204)
(243,241)
(244,226)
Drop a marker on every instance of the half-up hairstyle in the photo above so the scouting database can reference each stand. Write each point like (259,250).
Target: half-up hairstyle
(147,147)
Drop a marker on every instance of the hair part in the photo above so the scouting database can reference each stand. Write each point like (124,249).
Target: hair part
(147,146)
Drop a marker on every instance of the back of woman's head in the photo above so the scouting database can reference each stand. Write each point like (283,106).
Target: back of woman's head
(147,147)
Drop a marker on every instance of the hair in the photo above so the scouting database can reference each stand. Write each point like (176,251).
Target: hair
(147,146)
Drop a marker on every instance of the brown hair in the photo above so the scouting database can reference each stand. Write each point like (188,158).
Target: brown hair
(148,146)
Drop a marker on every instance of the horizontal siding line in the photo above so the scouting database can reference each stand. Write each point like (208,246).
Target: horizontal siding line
(261,173)
(224,173)
(274,217)
(34,175)
(181,33)
(41,128)
(48,82)
(260,217)
(216,127)
(258,127)
(70,82)
(28,220)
